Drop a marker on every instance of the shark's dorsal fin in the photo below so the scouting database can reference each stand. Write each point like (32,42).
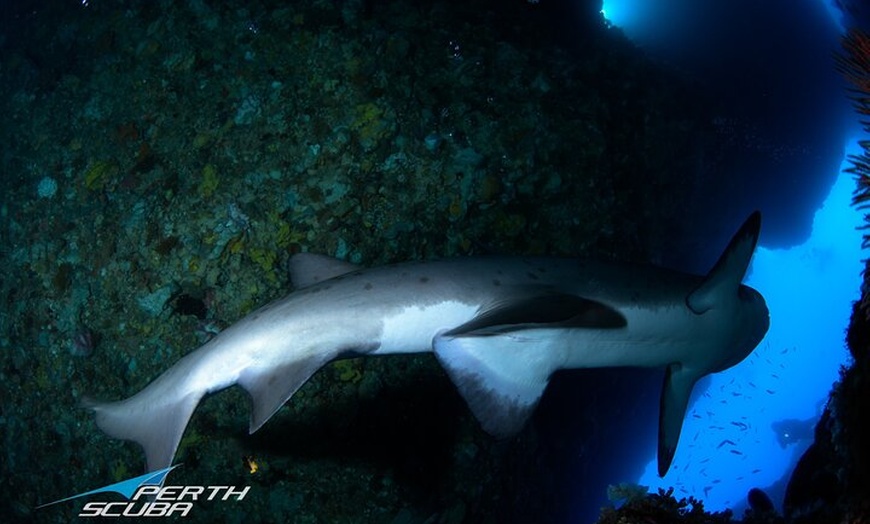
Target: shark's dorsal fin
(307,269)
(500,377)
(730,269)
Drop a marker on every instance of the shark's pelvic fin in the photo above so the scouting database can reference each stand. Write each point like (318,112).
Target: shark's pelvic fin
(672,408)
(730,268)
(307,269)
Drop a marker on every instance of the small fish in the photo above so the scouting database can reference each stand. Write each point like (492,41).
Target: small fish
(742,425)
(736,451)
(726,441)
(770,391)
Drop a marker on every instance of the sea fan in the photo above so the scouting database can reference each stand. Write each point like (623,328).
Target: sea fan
(854,65)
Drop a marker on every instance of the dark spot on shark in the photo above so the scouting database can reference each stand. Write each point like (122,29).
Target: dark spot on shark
(496,282)
(542,270)
(532,276)
(368,286)
(423,280)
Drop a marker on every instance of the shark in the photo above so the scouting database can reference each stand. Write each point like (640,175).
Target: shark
(499,325)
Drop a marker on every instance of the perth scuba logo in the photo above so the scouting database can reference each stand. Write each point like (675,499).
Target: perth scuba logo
(148,497)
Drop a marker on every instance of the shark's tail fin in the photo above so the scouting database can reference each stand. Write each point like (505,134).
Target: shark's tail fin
(155,424)
(156,417)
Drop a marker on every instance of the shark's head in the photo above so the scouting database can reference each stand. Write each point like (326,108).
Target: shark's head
(753,319)
(730,320)
(735,314)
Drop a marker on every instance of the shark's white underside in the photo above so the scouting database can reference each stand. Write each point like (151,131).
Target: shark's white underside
(500,326)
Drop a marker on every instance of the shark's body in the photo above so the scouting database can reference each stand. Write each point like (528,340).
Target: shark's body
(500,326)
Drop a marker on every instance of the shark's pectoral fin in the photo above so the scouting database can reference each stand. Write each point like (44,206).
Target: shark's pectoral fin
(501,377)
(676,391)
(542,310)
(271,387)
